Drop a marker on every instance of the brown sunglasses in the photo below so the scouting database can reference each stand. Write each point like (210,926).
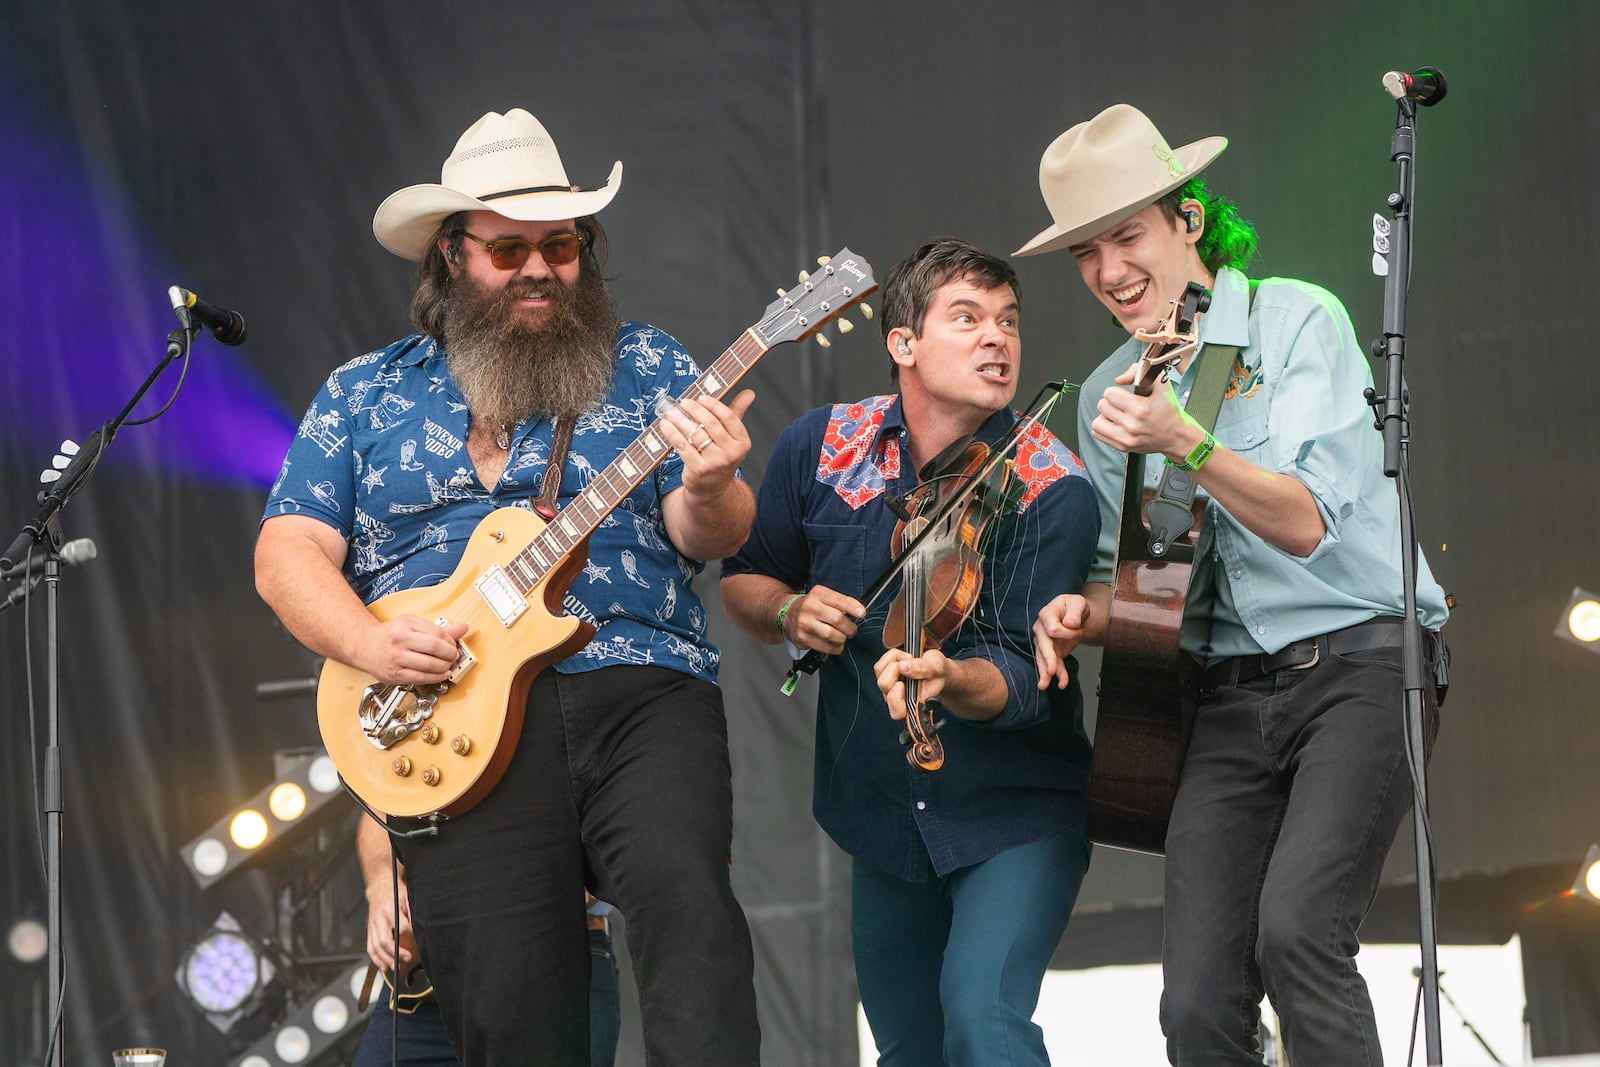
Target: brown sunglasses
(510,253)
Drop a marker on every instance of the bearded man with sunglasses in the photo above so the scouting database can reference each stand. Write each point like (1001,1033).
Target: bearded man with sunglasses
(620,780)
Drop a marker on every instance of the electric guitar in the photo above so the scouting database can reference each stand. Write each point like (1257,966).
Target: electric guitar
(1139,737)
(413,750)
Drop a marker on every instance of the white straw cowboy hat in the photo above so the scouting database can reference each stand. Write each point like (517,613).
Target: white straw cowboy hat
(1102,171)
(504,163)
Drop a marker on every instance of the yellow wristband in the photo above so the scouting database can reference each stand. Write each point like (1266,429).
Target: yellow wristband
(783,612)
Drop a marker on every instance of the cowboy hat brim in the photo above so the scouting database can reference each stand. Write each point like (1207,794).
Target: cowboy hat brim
(1195,157)
(407,220)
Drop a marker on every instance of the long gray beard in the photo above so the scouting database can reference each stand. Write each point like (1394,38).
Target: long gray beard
(510,368)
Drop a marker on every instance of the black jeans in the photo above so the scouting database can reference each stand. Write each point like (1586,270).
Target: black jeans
(620,781)
(1293,789)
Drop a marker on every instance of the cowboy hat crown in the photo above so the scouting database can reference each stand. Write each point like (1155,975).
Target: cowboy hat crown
(503,163)
(1105,170)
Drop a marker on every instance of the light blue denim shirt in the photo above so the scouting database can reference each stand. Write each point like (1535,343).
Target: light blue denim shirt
(1294,406)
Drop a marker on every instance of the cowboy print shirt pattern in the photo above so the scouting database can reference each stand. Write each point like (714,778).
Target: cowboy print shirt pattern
(381,456)
(823,518)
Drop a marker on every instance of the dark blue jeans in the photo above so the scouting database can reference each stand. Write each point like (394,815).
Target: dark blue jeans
(1293,789)
(950,969)
(423,1042)
(620,782)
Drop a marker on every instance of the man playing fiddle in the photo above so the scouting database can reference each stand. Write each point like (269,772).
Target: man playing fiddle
(963,877)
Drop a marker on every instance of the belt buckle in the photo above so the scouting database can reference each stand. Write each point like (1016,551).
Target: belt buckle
(1316,658)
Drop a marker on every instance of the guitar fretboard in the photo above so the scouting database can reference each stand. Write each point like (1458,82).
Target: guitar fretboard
(600,497)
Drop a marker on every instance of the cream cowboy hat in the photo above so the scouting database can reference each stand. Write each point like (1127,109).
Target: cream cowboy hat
(504,163)
(1104,170)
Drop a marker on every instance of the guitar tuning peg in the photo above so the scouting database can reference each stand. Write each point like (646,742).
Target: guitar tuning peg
(823,261)
(866,311)
(845,325)
(782,293)
(823,341)
(805,274)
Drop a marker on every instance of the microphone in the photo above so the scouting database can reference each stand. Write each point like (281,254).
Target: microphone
(225,326)
(1426,86)
(74,553)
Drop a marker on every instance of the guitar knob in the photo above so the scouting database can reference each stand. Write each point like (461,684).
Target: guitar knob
(845,325)
(461,744)
(430,775)
(431,733)
(401,765)
(866,311)
(822,261)
(822,340)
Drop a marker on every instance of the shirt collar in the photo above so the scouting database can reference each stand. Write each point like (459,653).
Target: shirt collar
(1228,321)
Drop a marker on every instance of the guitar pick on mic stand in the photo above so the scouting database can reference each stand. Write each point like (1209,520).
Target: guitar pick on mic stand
(1391,260)
(68,472)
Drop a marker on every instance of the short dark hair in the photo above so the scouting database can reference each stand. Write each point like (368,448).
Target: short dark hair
(909,286)
(433,271)
(1228,240)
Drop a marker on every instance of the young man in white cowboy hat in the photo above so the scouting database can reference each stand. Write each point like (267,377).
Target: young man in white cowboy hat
(963,876)
(620,779)
(1295,782)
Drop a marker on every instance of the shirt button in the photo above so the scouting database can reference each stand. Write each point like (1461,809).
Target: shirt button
(1236,575)
(1261,629)
(922,805)
(1249,437)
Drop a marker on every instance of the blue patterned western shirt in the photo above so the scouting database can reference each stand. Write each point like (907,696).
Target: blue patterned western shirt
(381,456)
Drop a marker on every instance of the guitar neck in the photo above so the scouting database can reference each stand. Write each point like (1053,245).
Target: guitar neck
(600,497)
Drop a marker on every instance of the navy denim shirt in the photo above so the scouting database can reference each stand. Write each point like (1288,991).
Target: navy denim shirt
(822,519)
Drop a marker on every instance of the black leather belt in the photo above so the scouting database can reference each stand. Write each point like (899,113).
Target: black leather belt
(1381,632)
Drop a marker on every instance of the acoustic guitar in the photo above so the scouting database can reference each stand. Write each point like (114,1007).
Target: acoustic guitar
(415,750)
(1139,732)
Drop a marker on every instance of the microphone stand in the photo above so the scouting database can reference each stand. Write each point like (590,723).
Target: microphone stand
(1391,410)
(40,531)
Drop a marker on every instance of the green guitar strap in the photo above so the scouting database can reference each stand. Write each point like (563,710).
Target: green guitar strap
(1171,511)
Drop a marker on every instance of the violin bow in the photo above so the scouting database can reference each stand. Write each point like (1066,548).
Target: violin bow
(1038,411)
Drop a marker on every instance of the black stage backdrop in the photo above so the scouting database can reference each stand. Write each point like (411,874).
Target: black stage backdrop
(239,150)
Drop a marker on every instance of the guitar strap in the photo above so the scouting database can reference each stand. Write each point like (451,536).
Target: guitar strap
(1171,511)
(550,487)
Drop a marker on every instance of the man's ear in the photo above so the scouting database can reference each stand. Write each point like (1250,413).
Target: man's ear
(1193,214)
(450,257)
(899,343)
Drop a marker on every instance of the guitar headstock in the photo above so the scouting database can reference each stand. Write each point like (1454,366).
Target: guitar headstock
(843,281)
(1173,338)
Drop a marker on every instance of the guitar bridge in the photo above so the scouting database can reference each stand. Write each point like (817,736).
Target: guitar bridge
(391,713)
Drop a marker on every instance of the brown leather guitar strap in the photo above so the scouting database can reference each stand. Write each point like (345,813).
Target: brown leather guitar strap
(1171,511)
(550,487)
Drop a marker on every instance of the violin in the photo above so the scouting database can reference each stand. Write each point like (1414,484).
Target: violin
(939,538)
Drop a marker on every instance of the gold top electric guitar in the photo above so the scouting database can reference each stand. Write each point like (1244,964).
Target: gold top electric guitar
(415,750)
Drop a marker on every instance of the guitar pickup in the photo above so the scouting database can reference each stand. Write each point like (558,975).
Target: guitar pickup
(501,594)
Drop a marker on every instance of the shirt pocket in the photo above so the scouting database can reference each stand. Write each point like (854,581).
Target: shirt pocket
(1245,432)
(838,557)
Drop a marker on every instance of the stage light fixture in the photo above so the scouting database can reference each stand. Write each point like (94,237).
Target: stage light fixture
(305,785)
(1587,885)
(28,941)
(1580,623)
(224,973)
(313,1029)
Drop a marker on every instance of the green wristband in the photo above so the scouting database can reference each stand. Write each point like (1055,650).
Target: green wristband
(1198,455)
(783,612)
